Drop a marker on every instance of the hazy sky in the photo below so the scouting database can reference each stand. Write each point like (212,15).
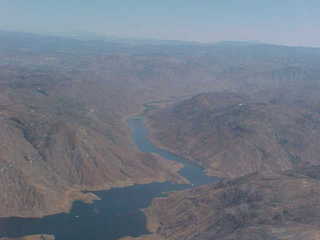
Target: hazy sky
(291,22)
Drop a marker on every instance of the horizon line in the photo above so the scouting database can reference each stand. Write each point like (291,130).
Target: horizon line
(76,35)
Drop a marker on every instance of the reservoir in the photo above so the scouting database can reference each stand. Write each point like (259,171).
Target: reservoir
(118,213)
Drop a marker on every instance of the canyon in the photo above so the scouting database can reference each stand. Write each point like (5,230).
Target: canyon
(246,113)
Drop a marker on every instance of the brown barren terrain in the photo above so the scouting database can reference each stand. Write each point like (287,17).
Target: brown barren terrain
(232,135)
(258,206)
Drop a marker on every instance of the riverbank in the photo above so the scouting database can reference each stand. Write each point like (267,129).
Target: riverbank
(118,213)
(63,201)
(32,237)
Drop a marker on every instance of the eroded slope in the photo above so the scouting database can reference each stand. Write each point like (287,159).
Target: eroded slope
(56,142)
(232,135)
(259,206)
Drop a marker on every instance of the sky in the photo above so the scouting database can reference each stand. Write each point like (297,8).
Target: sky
(287,22)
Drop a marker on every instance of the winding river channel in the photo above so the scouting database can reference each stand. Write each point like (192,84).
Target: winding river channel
(118,213)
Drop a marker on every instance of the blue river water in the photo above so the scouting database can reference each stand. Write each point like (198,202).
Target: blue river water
(118,213)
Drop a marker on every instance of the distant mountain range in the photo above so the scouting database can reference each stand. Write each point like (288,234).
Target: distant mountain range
(95,44)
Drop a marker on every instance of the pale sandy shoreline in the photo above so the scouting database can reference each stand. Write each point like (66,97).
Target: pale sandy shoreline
(77,193)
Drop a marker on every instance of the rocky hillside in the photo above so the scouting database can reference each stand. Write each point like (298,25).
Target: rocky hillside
(232,135)
(257,207)
(59,137)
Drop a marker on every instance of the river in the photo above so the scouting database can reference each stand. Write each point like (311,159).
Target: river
(118,213)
